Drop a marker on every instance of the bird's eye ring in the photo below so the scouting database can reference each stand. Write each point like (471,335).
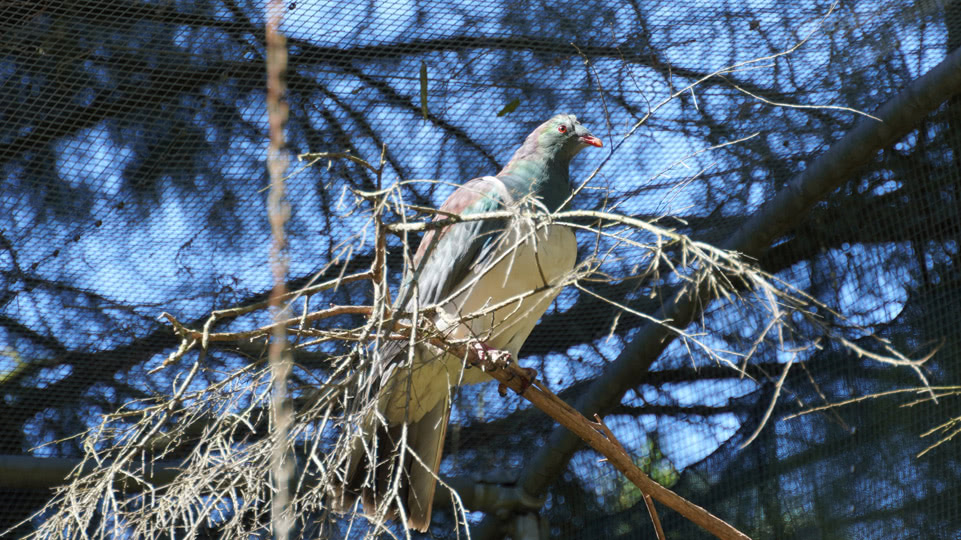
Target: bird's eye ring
(562,128)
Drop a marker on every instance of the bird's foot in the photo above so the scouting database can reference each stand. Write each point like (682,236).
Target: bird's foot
(490,358)
(530,375)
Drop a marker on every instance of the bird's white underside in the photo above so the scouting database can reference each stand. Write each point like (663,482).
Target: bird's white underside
(527,261)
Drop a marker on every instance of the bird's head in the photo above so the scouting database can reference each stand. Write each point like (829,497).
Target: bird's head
(552,144)
(564,135)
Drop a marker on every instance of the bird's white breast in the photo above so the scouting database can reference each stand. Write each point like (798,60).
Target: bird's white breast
(525,274)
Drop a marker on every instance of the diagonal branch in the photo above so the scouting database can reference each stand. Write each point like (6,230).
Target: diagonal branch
(607,445)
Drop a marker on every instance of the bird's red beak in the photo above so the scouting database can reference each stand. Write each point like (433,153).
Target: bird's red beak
(591,140)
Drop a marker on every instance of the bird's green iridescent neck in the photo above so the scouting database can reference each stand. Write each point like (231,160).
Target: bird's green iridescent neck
(547,179)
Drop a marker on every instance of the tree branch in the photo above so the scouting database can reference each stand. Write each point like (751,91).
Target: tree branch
(608,446)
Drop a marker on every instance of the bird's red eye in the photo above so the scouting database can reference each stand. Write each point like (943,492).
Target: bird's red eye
(562,128)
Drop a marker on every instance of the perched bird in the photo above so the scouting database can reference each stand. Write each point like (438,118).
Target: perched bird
(466,268)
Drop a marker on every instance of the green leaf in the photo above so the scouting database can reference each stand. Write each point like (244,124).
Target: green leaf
(509,108)
(423,88)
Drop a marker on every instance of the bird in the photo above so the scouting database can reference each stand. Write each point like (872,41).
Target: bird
(464,268)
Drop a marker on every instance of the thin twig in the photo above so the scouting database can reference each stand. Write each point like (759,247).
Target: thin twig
(770,407)
(648,501)
(658,529)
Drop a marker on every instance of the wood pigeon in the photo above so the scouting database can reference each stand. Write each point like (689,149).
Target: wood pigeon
(465,268)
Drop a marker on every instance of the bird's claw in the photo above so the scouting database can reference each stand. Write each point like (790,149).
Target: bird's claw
(530,375)
(489,358)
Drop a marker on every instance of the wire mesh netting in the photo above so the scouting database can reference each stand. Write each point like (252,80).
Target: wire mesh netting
(133,148)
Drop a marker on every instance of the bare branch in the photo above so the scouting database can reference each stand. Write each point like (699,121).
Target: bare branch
(281,519)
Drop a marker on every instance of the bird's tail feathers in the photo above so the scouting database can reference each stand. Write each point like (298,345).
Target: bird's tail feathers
(384,488)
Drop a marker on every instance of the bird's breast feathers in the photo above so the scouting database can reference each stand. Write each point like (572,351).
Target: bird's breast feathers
(499,302)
